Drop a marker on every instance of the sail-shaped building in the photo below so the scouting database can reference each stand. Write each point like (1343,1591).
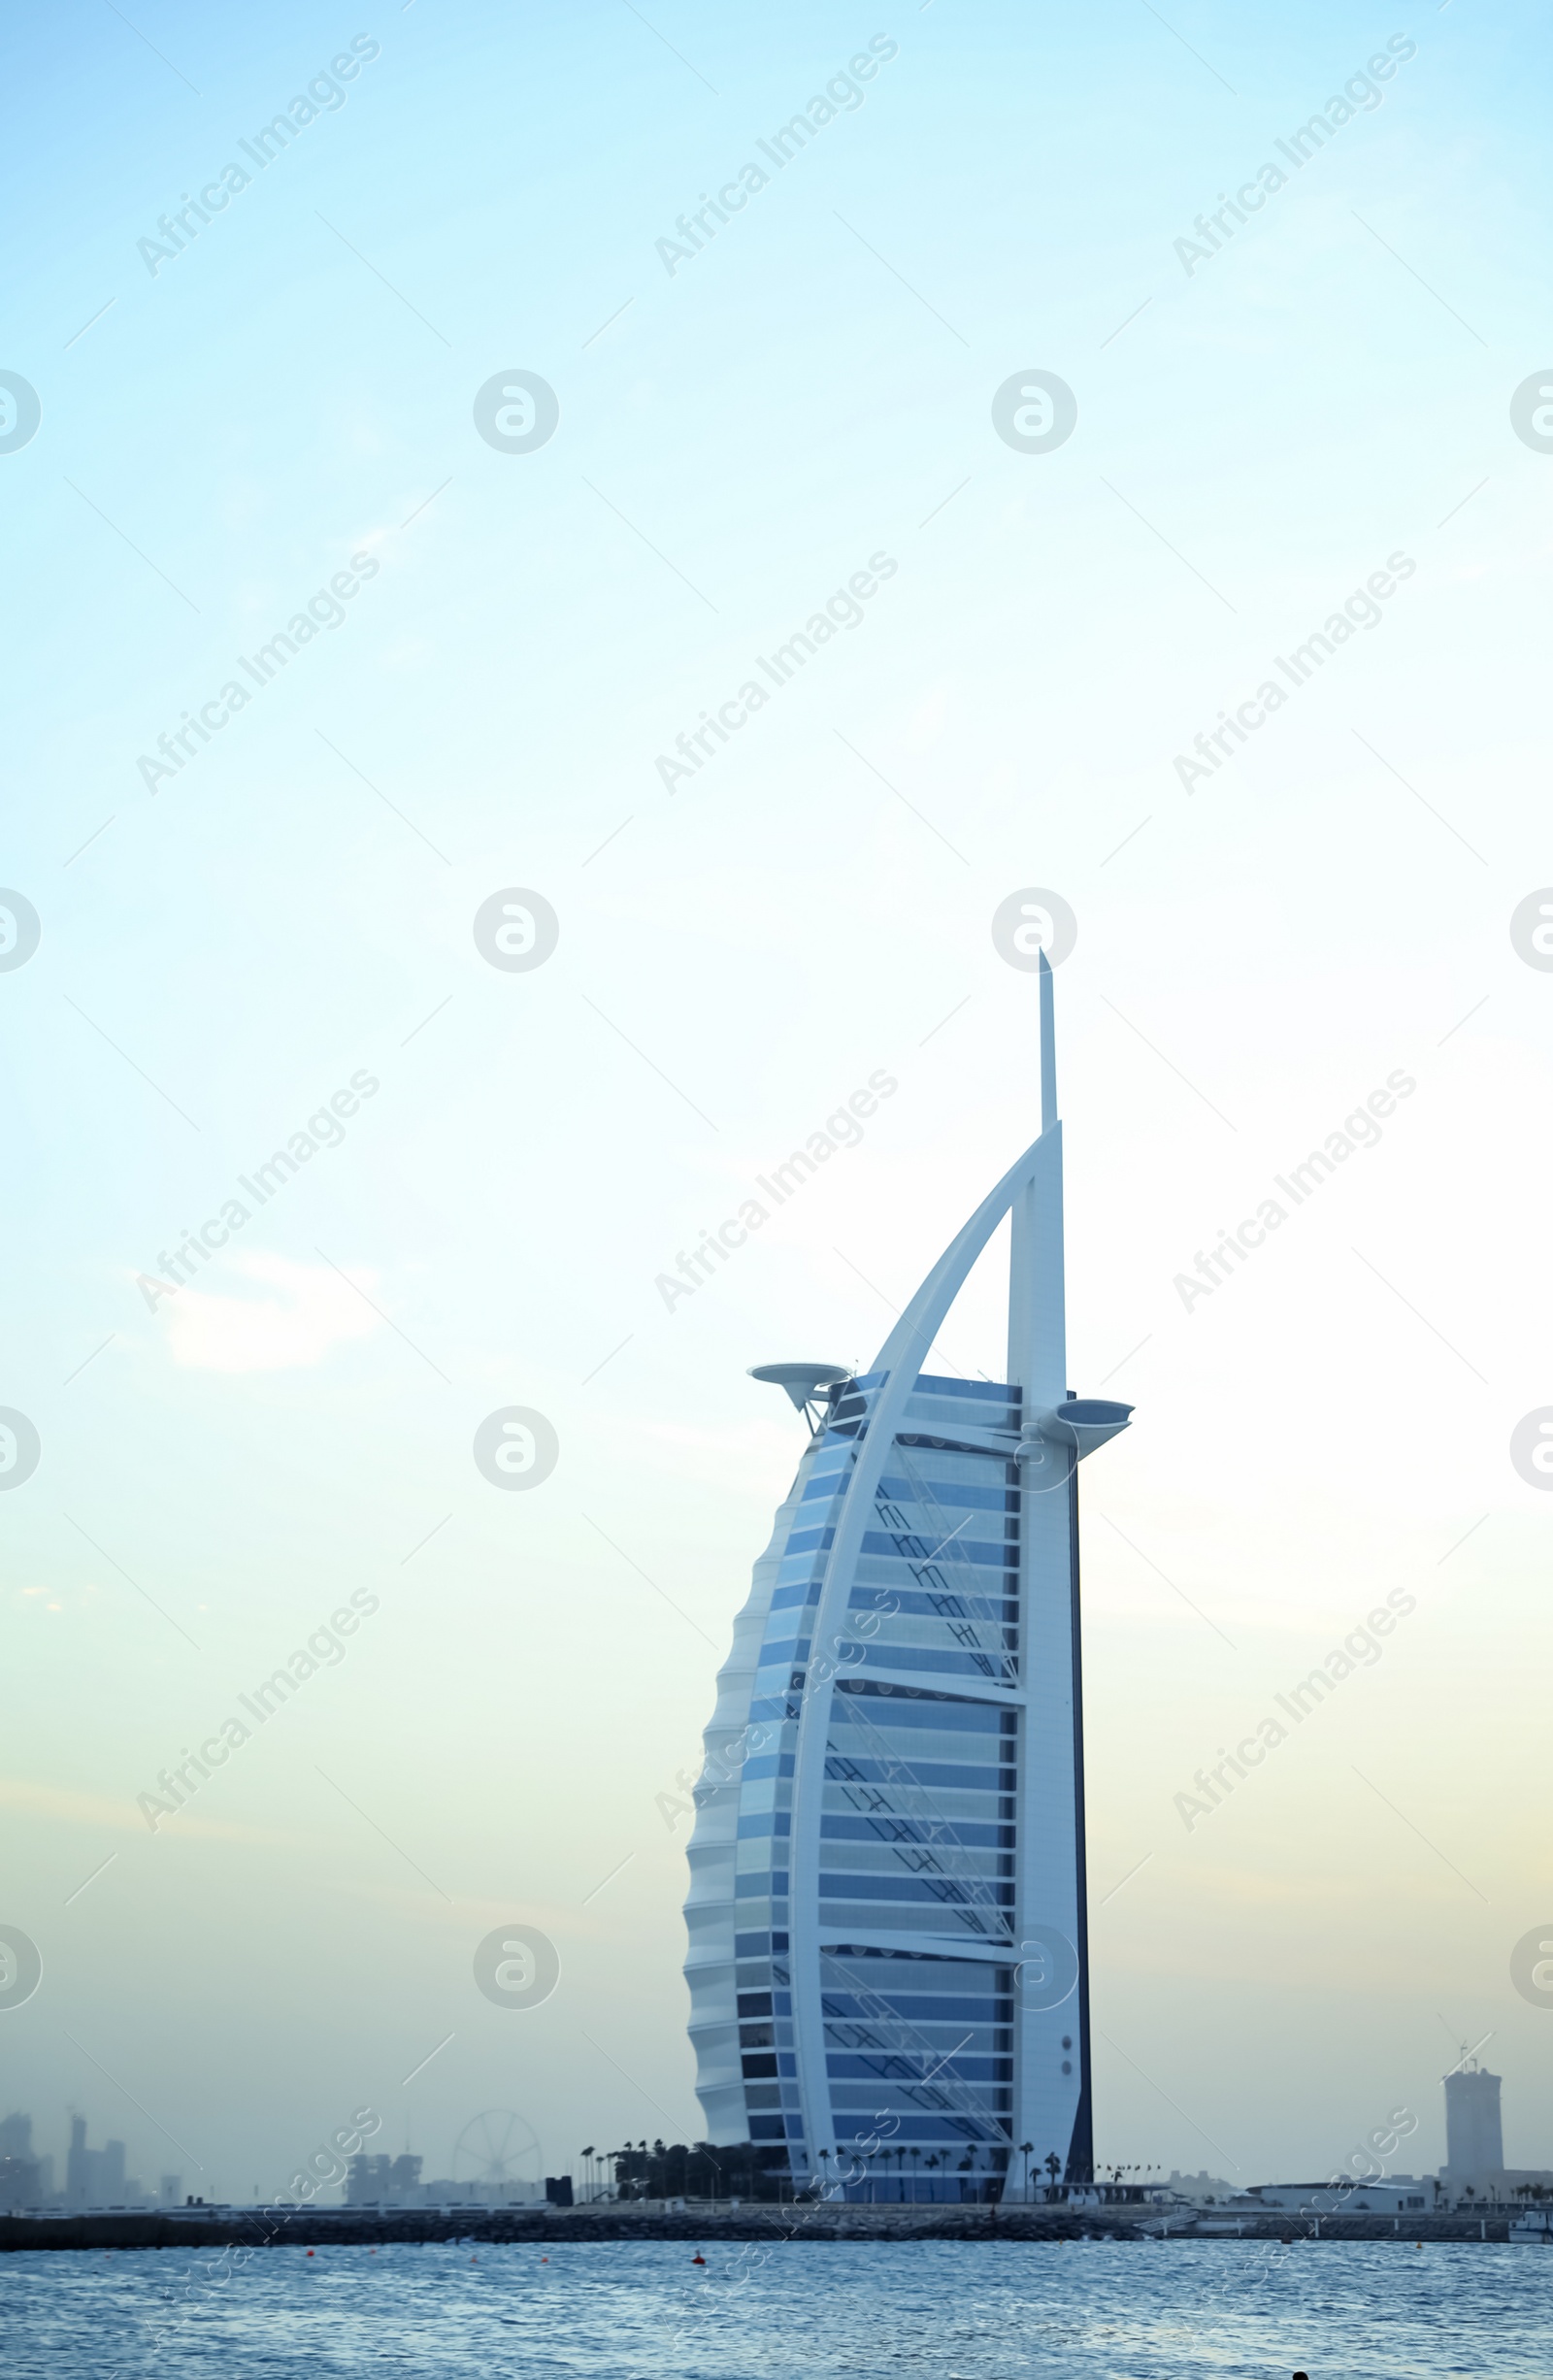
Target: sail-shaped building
(888,1960)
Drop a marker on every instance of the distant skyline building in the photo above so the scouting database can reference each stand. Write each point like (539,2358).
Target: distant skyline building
(384,2181)
(22,2173)
(888,1960)
(1475,2132)
(78,2165)
(97,2177)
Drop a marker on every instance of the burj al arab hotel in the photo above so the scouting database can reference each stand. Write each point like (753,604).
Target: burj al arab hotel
(888,1961)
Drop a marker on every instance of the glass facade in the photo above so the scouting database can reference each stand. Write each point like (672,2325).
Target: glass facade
(917,1826)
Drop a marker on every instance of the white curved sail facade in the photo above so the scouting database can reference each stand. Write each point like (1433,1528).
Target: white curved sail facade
(888,1955)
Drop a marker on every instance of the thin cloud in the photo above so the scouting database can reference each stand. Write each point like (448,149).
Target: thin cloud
(300,1314)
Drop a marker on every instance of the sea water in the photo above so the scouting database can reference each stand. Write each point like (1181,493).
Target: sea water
(947,2310)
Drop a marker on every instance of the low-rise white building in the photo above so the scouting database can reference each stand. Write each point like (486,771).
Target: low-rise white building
(1396,2194)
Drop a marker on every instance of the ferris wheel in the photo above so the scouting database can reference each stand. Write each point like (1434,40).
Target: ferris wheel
(497,2149)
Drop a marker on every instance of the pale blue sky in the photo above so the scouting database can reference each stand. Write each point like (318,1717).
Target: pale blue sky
(736,441)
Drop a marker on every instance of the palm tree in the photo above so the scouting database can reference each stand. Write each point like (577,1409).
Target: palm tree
(825,2161)
(1026,2149)
(933,2164)
(587,2182)
(1053,2165)
(916,2160)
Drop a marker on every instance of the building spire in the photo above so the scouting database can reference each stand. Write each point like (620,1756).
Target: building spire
(1036,1333)
(1048,1047)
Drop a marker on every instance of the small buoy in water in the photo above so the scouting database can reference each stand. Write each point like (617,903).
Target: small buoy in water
(310,2251)
(698,2258)
(545,2259)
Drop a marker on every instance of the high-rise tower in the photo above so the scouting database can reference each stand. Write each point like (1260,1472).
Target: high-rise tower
(888,1958)
(1474,2137)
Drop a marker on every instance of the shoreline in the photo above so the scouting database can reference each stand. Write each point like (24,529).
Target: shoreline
(816,2222)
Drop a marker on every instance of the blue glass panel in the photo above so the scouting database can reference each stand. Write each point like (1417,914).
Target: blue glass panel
(926,2007)
(911,1707)
(915,2066)
(912,1603)
(800,1570)
(842,1769)
(926,1545)
(945,1890)
(963,1494)
(802,1592)
(968,1833)
(934,1441)
(995,1666)
(918,1971)
(930,2129)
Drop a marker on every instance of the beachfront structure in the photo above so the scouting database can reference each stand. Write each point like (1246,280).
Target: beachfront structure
(888,1961)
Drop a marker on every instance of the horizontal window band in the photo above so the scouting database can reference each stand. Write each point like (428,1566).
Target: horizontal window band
(948,1891)
(842,1769)
(916,2007)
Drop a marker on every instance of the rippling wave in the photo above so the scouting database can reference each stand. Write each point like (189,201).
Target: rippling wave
(1092,2310)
